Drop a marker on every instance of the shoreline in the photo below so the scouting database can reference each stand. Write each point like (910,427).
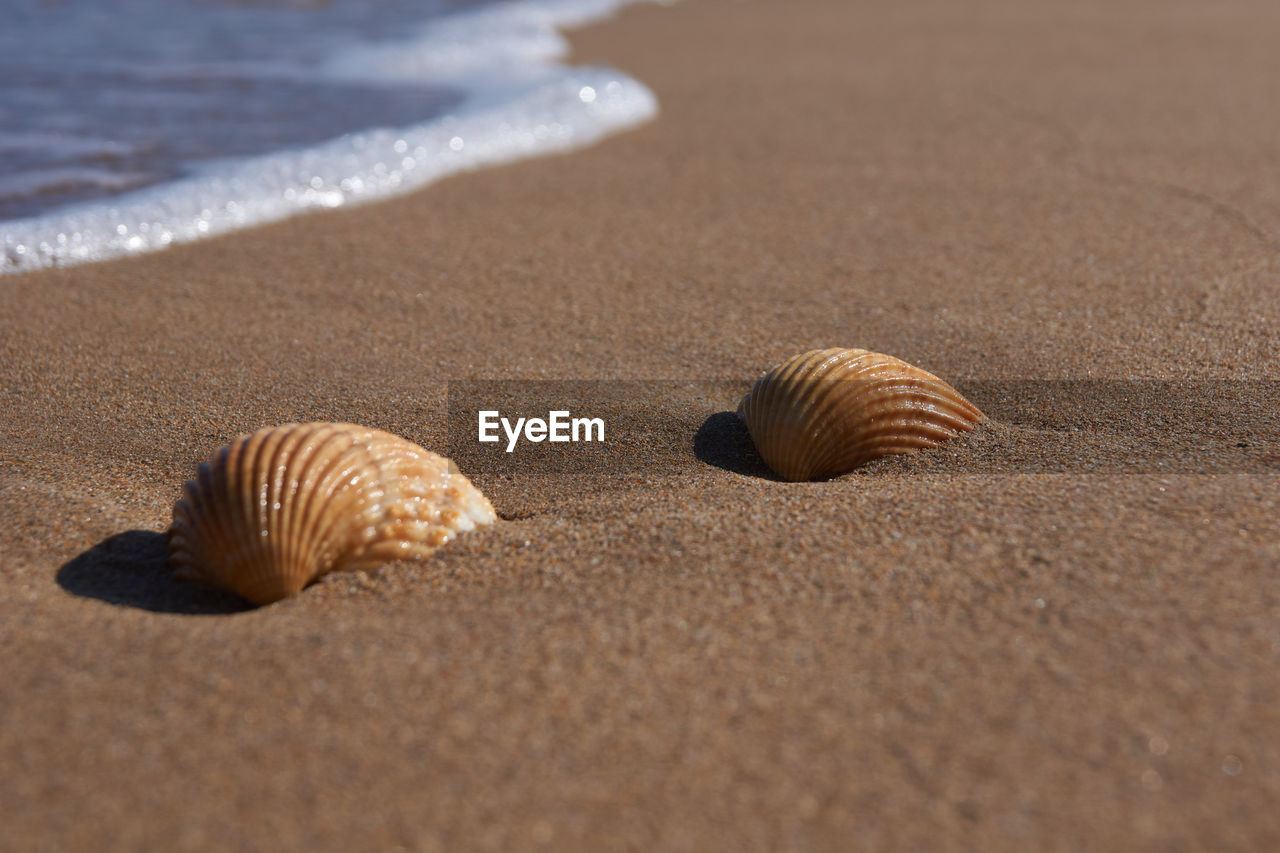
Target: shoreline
(672,651)
(513,102)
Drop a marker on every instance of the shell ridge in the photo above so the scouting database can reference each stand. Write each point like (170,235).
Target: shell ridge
(850,386)
(223,526)
(842,399)
(384,455)
(296,454)
(372,506)
(941,401)
(323,498)
(178,535)
(791,437)
(844,390)
(180,531)
(256,551)
(188,533)
(407,467)
(903,433)
(238,551)
(911,414)
(813,443)
(245,510)
(259,448)
(282,510)
(319,447)
(293,556)
(329,498)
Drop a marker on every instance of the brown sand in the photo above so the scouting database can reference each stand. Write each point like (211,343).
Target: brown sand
(682,654)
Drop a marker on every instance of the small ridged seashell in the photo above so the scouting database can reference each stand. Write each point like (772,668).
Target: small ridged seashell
(825,412)
(273,511)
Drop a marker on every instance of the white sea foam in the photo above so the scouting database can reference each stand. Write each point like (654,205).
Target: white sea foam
(520,102)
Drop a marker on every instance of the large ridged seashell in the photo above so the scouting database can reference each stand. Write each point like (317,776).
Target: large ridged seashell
(273,511)
(825,412)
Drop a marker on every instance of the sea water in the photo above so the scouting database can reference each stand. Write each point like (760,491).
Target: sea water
(130,125)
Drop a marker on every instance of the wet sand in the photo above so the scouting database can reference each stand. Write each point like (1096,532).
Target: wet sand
(668,649)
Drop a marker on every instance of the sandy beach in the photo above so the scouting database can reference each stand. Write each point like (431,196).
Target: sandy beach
(998,645)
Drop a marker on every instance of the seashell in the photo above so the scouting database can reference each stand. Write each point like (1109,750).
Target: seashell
(825,412)
(275,510)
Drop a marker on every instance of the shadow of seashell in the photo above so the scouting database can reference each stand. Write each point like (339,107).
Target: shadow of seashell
(724,442)
(131,569)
